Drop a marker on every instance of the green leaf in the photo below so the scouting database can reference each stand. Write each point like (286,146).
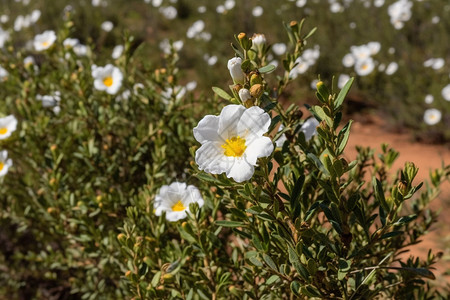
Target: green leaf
(156,278)
(272,279)
(266,69)
(221,93)
(225,223)
(310,291)
(391,234)
(421,272)
(343,93)
(256,262)
(295,287)
(269,261)
(379,194)
(343,137)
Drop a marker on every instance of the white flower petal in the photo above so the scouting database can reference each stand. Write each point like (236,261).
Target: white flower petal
(259,147)
(228,120)
(211,159)
(241,170)
(253,123)
(206,129)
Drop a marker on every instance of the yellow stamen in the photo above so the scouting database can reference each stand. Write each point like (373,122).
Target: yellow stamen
(1,166)
(45,44)
(3,130)
(178,206)
(365,67)
(108,81)
(234,146)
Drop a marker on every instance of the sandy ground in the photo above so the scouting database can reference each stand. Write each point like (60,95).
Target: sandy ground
(426,157)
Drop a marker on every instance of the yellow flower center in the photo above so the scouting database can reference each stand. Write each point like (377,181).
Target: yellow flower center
(1,166)
(178,206)
(108,81)
(234,146)
(45,44)
(365,67)
(3,130)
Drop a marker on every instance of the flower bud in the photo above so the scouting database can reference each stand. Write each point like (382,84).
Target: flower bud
(256,90)
(258,39)
(402,187)
(255,79)
(237,88)
(121,237)
(234,66)
(244,94)
(242,36)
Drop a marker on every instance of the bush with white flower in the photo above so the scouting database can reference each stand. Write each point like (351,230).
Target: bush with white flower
(132,181)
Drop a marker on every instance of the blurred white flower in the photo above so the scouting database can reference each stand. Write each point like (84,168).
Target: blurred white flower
(201,9)
(169,93)
(435,19)
(300,3)
(400,12)
(4,19)
(80,49)
(96,2)
(35,15)
(361,53)
(234,66)
(364,67)
(438,63)
(157,3)
(352,25)
(348,60)
(336,7)
(3,74)
(69,43)
(233,141)
(44,40)
(391,50)
(391,68)
(174,200)
(8,125)
(4,37)
(429,99)
(191,85)
(117,51)
(280,141)
(378,3)
(195,29)
(107,26)
(28,61)
(432,116)
(313,84)
(108,78)
(374,47)
(309,128)
(257,11)
(5,163)
(169,12)
(229,4)
(342,80)
(279,48)
(51,101)
(446,92)
(381,67)
(220,9)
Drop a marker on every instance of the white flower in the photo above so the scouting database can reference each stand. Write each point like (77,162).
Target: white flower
(343,78)
(336,7)
(117,51)
(4,18)
(50,100)
(438,63)
(429,99)
(361,53)
(378,3)
(44,40)
(174,200)
(279,48)
(229,4)
(35,15)
(258,39)
(80,49)
(191,85)
(211,60)
(391,68)
(201,9)
(400,12)
(157,3)
(195,29)
(168,12)
(220,9)
(435,19)
(300,3)
(234,66)
(4,37)
(8,125)
(3,74)
(257,11)
(313,84)
(432,116)
(107,26)
(446,92)
(279,143)
(69,43)
(244,94)
(29,61)
(5,163)
(374,47)
(365,67)
(169,93)
(301,67)
(309,128)
(233,141)
(348,60)
(107,78)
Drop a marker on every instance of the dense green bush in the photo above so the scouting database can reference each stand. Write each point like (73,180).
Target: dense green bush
(81,208)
